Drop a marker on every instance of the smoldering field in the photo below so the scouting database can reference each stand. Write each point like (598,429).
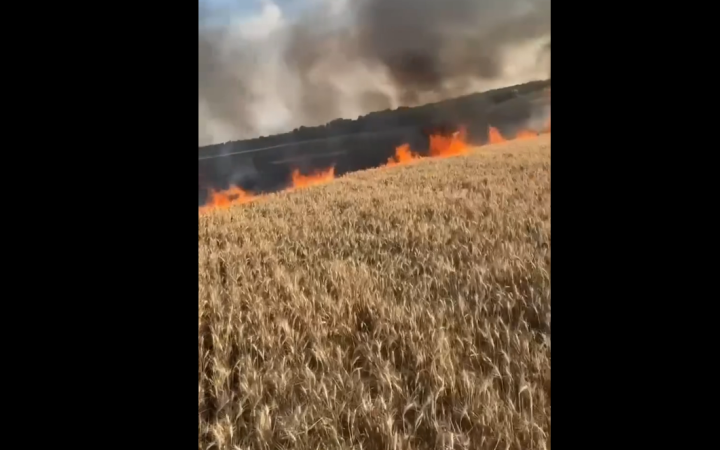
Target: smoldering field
(265,164)
(403,307)
(343,58)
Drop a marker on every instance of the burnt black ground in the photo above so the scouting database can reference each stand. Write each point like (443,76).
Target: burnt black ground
(265,164)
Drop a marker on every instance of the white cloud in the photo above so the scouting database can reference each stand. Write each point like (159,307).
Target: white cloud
(254,46)
(261,26)
(334,7)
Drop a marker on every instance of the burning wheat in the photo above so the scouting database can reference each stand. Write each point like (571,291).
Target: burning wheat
(440,147)
(390,309)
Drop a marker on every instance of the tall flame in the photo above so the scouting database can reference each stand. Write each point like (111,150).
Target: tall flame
(494,136)
(440,146)
(227,198)
(403,155)
(443,146)
(321,177)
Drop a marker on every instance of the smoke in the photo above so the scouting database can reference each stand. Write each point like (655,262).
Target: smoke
(343,58)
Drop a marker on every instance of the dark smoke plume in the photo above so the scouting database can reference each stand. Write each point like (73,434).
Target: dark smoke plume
(344,58)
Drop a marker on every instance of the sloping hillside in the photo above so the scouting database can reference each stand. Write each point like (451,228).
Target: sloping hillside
(264,164)
(404,307)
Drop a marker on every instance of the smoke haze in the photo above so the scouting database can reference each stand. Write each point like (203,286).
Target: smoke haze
(345,58)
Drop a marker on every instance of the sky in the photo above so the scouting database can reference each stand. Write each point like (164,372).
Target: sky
(249,86)
(252,22)
(243,10)
(259,18)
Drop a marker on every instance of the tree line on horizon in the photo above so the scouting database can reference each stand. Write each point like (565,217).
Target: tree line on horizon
(434,114)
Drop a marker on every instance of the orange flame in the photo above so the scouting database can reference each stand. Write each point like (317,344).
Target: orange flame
(494,136)
(526,134)
(442,146)
(227,198)
(321,177)
(403,155)
(236,196)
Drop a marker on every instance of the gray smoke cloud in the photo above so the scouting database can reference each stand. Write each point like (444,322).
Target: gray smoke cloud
(344,58)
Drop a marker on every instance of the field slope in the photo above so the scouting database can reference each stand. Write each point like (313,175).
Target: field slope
(396,308)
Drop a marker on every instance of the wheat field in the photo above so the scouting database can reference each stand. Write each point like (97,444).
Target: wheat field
(396,308)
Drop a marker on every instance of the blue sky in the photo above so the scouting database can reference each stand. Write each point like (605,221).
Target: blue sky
(249,8)
(258,13)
